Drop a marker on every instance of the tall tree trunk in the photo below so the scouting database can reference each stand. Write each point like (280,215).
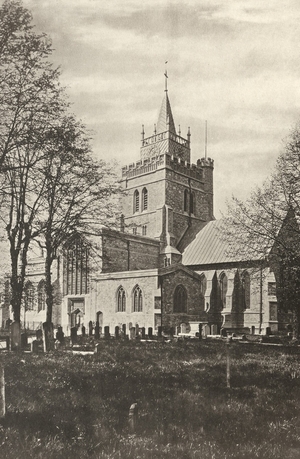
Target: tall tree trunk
(49,287)
(16,287)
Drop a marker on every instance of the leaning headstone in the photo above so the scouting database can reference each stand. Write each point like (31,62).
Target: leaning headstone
(106,332)
(150,332)
(15,336)
(48,336)
(74,335)
(117,332)
(2,392)
(133,417)
(83,331)
(90,328)
(97,330)
(143,333)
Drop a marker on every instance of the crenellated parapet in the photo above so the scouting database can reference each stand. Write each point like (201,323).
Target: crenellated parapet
(154,163)
(205,162)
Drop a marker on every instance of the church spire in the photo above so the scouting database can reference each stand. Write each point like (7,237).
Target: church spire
(165,119)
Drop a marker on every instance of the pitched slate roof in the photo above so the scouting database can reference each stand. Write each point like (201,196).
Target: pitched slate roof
(210,246)
(165,120)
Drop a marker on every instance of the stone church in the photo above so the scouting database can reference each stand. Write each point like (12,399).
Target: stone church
(168,265)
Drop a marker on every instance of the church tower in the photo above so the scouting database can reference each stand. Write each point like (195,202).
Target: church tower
(167,196)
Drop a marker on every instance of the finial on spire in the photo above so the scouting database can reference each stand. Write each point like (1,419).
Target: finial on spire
(155,129)
(189,135)
(166,77)
(143,133)
(179,130)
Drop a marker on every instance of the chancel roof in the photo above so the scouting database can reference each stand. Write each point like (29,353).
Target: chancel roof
(165,119)
(210,246)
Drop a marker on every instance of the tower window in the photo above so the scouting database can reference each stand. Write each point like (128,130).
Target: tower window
(180,299)
(144,230)
(145,199)
(136,201)
(134,230)
(137,299)
(185,200)
(121,300)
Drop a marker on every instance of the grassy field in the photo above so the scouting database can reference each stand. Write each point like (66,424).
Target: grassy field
(61,405)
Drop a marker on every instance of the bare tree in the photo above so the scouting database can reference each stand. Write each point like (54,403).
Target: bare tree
(78,196)
(266,226)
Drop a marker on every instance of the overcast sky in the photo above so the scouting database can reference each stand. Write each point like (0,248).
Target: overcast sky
(234,63)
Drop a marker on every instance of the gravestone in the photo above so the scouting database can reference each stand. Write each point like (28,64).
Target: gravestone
(39,334)
(137,331)
(117,332)
(90,328)
(200,331)
(133,417)
(15,336)
(60,336)
(214,329)
(143,333)
(97,330)
(74,335)
(124,330)
(132,333)
(106,332)
(206,330)
(24,340)
(48,336)
(150,332)
(83,331)
(159,332)
(35,346)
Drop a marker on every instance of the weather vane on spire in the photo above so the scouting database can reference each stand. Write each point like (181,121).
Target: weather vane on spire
(166,77)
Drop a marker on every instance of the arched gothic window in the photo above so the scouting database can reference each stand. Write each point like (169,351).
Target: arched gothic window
(145,199)
(223,289)
(137,299)
(136,201)
(121,300)
(29,296)
(180,299)
(185,200)
(246,289)
(41,293)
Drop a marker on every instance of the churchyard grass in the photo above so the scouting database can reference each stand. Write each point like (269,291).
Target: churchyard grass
(61,405)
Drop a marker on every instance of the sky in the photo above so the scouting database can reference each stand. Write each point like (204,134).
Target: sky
(233,63)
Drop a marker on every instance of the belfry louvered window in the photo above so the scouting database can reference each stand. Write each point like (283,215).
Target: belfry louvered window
(145,199)
(136,201)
